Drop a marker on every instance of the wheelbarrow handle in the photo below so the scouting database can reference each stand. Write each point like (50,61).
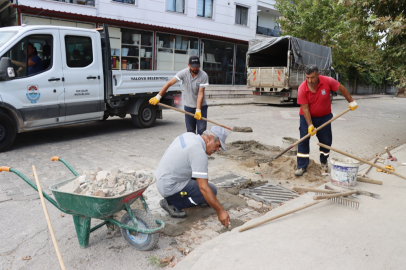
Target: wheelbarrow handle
(5,169)
(55,158)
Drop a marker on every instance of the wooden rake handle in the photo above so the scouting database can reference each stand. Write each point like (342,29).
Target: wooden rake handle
(191,114)
(279,216)
(329,196)
(318,190)
(308,135)
(360,159)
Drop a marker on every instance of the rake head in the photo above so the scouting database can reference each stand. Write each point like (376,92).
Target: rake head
(343,201)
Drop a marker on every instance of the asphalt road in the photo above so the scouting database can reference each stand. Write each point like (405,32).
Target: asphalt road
(116,143)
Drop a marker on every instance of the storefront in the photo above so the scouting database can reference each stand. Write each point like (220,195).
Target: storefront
(146,47)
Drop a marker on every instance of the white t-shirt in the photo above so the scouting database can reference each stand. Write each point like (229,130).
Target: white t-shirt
(185,158)
(192,85)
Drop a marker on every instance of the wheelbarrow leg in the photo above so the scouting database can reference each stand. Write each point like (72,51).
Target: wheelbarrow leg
(82,225)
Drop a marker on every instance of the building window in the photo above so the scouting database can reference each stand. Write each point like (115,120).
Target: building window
(173,51)
(240,65)
(175,5)
(125,1)
(80,2)
(205,8)
(241,15)
(217,61)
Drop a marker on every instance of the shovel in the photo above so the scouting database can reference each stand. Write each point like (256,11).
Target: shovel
(308,135)
(192,114)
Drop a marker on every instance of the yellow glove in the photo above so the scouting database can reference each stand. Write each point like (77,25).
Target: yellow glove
(198,114)
(311,130)
(155,100)
(353,105)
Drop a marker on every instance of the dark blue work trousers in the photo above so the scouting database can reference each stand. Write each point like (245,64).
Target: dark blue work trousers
(324,136)
(193,196)
(192,122)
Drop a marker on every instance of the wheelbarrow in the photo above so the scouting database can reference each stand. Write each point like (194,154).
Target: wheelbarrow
(138,227)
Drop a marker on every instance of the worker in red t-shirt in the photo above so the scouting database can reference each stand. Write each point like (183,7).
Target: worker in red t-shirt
(315,110)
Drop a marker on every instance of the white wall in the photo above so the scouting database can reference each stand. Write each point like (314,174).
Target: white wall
(154,12)
(266,20)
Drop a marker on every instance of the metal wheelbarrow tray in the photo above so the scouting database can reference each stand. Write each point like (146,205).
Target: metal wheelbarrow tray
(138,227)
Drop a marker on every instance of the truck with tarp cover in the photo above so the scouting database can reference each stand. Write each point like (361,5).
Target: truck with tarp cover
(275,67)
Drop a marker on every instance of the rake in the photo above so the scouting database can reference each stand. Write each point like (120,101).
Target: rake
(338,200)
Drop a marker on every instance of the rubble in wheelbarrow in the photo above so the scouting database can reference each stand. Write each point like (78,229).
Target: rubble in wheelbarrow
(108,183)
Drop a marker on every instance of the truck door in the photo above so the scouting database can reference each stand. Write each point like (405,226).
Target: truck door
(37,90)
(82,70)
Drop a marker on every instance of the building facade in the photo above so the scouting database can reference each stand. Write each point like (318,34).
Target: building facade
(162,34)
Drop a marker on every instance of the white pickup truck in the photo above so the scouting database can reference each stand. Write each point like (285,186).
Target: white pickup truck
(53,76)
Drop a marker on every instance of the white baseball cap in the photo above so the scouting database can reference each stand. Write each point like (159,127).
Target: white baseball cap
(222,134)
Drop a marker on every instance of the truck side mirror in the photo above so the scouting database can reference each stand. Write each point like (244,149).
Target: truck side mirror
(6,69)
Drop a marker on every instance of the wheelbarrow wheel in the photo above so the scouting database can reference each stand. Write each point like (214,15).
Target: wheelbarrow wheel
(140,241)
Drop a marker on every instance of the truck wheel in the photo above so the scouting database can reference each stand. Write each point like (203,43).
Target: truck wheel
(7,132)
(140,241)
(146,116)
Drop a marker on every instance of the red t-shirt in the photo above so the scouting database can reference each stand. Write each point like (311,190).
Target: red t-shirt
(319,102)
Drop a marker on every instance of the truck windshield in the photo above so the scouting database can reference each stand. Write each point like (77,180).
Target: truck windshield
(6,36)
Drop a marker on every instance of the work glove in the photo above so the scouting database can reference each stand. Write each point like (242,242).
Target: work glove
(155,100)
(353,105)
(311,130)
(198,114)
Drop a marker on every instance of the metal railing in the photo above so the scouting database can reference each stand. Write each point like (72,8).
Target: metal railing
(268,32)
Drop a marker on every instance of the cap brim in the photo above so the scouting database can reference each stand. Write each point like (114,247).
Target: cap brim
(194,65)
(223,146)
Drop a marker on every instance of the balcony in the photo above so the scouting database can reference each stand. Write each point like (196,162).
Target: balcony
(79,2)
(268,32)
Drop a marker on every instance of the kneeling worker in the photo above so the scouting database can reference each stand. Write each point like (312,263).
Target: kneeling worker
(182,173)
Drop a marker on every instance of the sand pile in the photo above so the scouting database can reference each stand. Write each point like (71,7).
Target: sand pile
(108,183)
(251,153)
(284,168)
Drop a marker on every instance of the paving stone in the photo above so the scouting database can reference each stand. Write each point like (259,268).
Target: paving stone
(19,197)
(13,191)
(33,196)
(4,197)
(29,191)
(7,186)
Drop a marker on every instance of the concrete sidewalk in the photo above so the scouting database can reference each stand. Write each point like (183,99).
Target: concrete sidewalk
(244,101)
(323,236)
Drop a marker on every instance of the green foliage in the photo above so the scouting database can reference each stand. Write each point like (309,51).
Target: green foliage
(367,38)
(155,260)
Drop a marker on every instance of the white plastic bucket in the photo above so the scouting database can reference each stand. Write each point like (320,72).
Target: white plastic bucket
(288,141)
(344,171)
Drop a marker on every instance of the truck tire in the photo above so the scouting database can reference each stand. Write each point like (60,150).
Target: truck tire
(146,116)
(8,132)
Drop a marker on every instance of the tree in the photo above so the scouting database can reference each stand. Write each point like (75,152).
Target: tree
(341,27)
(387,19)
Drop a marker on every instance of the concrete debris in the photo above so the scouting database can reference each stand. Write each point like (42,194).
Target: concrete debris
(108,183)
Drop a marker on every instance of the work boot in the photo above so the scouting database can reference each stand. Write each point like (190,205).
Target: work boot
(300,171)
(324,167)
(172,210)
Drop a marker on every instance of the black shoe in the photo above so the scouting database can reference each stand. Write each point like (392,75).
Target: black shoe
(172,210)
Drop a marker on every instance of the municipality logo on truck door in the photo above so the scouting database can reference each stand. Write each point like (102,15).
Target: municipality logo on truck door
(33,93)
